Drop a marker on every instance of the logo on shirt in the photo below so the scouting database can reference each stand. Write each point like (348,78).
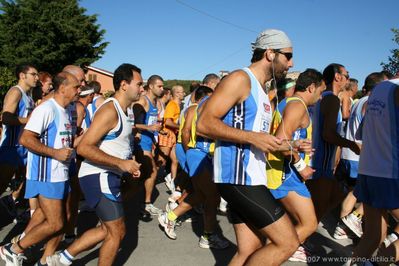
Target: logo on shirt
(267,107)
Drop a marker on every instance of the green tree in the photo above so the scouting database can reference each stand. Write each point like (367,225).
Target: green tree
(393,61)
(49,34)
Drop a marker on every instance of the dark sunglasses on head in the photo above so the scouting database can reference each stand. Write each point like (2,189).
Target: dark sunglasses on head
(287,55)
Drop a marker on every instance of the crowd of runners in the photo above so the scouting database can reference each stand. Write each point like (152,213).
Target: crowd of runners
(276,154)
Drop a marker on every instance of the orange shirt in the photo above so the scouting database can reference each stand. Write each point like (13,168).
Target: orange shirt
(172,111)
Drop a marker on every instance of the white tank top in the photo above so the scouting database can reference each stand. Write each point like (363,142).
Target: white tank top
(352,126)
(379,156)
(116,143)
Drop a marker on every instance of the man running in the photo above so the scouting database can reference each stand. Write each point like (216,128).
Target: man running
(48,137)
(107,151)
(238,117)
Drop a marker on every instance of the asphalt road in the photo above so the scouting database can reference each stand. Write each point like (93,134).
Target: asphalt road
(146,244)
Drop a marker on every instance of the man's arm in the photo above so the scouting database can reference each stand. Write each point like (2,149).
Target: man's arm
(11,101)
(234,89)
(140,109)
(330,107)
(30,140)
(294,117)
(105,120)
(346,107)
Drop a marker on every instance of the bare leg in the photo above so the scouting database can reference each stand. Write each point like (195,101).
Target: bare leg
(110,246)
(284,242)
(302,210)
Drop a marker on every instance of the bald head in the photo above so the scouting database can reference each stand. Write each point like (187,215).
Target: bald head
(77,72)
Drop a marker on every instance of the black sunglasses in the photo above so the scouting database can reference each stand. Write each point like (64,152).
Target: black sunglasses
(286,54)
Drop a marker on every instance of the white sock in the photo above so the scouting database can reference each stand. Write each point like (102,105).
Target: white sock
(21,235)
(31,212)
(66,258)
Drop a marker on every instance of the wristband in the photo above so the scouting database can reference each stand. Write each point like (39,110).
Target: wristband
(299,165)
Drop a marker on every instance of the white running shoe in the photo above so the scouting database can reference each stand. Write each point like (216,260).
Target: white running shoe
(150,208)
(300,255)
(168,225)
(390,239)
(11,258)
(170,206)
(214,241)
(340,232)
(223,205)
(353,223)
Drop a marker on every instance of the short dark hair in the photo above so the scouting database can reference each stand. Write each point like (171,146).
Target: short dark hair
(330,71)
(95,85)
(22,68)
(194,85)
(202,91)
(257,55)
(372,80)
(307,77)
(387,74)
(210,77)
(154,78)
(124,72)
(60,78)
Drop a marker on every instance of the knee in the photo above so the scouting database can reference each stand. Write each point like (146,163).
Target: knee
(56,226)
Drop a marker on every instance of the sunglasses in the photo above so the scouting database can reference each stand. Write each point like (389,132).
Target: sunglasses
(286,54)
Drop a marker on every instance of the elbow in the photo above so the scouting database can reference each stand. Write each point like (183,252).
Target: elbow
(23,141)
(80,149)
(202,128)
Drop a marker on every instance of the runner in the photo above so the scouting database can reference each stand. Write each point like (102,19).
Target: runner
(238,117)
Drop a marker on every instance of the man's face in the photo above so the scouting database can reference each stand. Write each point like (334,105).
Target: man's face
(180,93)
(317,92)
(344,78)
(72,89)
(157,87)
(30,77)
(283,61)
(135,88)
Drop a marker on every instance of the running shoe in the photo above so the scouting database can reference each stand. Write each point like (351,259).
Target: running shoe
(54,260)
(168,225)
(215,241)
(170,206)
(11,258)
(390,239)
(353,223)
(170,184)
(175,196)
(341,232)
(152,209)
(300,255)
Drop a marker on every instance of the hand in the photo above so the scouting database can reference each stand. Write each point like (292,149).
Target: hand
(303,145)
(63,154)
(130,166)
(307,173)
(355,147)
(265,142)
(155,127)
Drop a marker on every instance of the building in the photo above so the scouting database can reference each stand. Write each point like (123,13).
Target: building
(104,77)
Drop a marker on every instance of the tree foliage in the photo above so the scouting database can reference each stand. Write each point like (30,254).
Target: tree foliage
(393,61)
(49,34)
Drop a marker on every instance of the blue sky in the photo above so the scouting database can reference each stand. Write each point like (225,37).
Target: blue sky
(186,39)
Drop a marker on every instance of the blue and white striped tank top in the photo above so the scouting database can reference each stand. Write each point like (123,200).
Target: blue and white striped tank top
(10,134)
(238,163)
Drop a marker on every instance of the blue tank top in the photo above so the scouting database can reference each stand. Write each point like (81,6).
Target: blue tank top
(323,160)
(151,118)
(10,134)
(243,164)
(379,156)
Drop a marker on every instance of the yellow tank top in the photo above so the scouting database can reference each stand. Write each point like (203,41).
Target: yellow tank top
(275,167)
(202,145)
(181,124)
